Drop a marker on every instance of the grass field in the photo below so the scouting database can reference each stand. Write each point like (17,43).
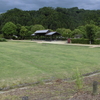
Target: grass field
(29,61)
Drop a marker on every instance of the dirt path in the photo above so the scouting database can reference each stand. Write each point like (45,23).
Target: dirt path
(65,43)
(58,42)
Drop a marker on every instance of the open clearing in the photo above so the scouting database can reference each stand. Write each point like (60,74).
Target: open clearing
(22,62)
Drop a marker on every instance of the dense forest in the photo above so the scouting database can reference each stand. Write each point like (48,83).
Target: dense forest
(50,18)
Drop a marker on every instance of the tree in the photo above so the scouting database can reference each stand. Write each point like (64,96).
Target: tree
(68,33)
(37,27)
(90,32)
(83,31)
(23,32)
(76,33)
(9,29)
(64,32)
(97,34)
(18,29)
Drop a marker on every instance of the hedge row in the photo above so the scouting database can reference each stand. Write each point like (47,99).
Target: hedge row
(81,41)
(84,41)
(96,41)
(2,40)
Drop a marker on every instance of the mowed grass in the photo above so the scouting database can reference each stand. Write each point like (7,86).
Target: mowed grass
(32,61)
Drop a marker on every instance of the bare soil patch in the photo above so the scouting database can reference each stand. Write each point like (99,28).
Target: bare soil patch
(55,90)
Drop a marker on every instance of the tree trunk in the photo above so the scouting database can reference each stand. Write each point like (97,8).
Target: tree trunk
(90,41)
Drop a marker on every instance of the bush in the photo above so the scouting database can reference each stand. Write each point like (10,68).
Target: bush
(1,35)
(96,41)
(84,41)
(2,40)
(81,41)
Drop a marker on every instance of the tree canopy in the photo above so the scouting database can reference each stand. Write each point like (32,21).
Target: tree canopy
(90,31)
(23,31)
(52,18)
(67,21)
(9,29)
(37,27)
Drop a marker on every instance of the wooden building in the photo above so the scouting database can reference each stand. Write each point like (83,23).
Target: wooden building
(45,35)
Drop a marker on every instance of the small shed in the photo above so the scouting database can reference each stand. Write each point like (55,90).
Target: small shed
(41,32)
(52,35)
(45,35)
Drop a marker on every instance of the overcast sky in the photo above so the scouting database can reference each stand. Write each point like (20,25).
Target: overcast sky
(36,4)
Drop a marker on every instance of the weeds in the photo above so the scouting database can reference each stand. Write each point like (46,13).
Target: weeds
(78,79)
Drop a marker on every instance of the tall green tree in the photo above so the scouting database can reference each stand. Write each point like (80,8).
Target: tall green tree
(77,33)
(83,31)
(37,27)
(97,34)
(23,32)
(68,33)
(18,29)
(64,32)
(9,29)
(90,32)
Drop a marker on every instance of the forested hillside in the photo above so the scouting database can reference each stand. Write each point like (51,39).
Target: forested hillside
(70,22)
(51,18)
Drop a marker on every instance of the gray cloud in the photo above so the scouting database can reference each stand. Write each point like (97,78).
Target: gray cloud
(36,4)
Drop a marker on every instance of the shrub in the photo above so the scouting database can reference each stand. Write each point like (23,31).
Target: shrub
(2,40)
(96,41)
(1,35)
(81,41)
(84,41)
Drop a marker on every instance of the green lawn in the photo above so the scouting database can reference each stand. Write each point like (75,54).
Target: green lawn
(33,61)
